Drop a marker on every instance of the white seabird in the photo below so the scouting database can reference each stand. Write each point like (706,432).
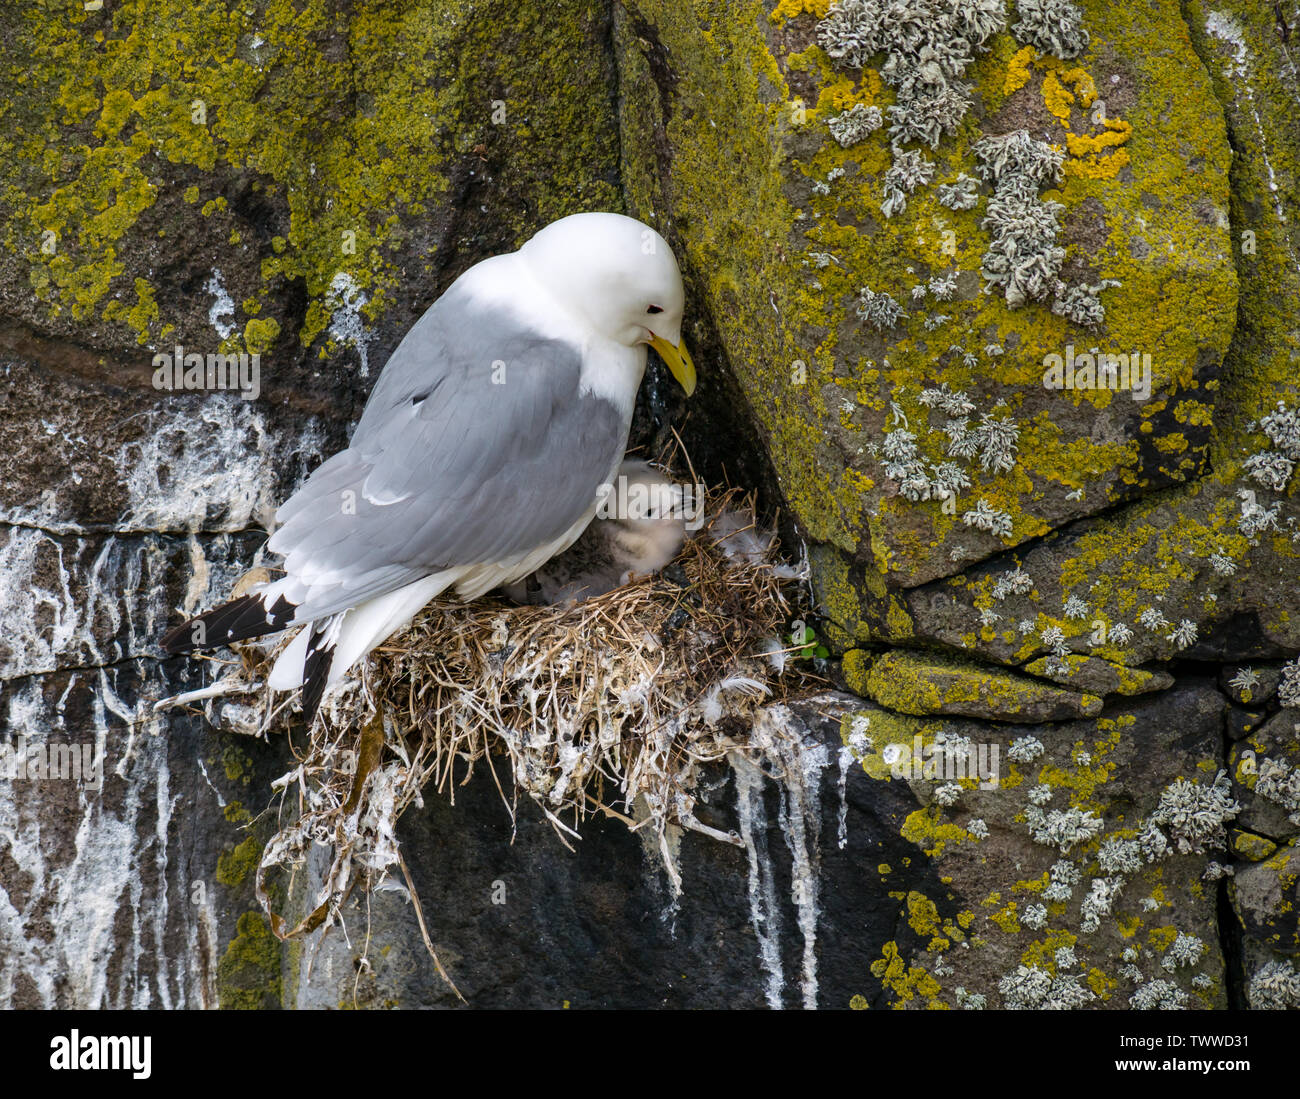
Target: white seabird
(481,453)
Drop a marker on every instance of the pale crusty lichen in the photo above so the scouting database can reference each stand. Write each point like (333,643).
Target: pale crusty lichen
(1055,26)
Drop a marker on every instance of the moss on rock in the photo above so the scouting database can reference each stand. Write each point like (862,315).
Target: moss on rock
(916,683)
(235,866)
(1098,676)
(283,146)
(248,975)
(782,226)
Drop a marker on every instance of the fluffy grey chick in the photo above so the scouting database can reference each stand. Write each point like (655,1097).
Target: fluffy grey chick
(639,528)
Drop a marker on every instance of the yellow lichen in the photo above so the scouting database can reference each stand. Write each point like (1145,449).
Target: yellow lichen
(908,983)
(1057,98)
(928,830)
(1020,70)
(788,9)
(1007,918)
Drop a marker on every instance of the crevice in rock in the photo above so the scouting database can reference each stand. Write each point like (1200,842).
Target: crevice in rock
(656,55)
(1230,943)
(108,372)
(73,530)
(72,669)
(717,425)
(1234,349)
(610,44)
(1228,927)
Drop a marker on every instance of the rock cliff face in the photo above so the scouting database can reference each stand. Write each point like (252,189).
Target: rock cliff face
(999,302)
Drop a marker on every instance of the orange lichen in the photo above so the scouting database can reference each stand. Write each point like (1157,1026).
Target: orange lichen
(1106,167)
(1116,133)
(1063,90)
(1084,87)
(1057,98)
(788,9)
(1018,72)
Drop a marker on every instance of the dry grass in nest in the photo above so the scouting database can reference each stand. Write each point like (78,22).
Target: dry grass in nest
(610,705)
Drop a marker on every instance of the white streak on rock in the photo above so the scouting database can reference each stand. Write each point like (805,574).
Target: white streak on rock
(846,761)
(347,326)
(40,619)
(763,911)
(223,306)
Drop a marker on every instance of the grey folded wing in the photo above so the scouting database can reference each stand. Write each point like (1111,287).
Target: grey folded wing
(476,445)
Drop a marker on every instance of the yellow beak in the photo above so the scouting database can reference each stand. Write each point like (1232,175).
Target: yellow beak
(678,360)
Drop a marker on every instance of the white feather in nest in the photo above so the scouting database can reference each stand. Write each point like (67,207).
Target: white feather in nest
(738,535)
(776,655)
(711,708)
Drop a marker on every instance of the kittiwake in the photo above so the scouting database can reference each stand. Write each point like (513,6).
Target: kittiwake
(480,454)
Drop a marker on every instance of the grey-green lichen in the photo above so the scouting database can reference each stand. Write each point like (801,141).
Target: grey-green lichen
(1053,26)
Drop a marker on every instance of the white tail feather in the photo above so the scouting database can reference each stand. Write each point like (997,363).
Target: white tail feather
(358,631)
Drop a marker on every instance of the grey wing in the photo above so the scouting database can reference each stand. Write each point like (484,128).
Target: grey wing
(475,445)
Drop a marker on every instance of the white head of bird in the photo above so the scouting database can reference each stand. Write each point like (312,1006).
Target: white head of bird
(620,277)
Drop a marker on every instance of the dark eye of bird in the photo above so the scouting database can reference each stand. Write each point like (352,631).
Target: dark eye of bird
(655,309)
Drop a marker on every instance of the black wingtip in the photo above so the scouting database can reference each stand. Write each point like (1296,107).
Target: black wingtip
(316,670)
(238,620)
(179,640)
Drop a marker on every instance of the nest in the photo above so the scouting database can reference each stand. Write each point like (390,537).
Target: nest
(611,705)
